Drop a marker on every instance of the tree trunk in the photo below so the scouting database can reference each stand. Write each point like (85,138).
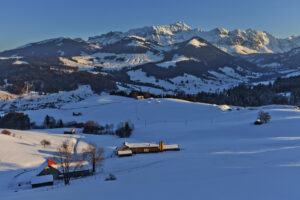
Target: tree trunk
(66,178)
(94,165)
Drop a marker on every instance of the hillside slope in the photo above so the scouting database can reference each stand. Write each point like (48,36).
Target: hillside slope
(221,151)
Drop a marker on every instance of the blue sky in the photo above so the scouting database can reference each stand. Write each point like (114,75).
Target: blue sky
(25,21)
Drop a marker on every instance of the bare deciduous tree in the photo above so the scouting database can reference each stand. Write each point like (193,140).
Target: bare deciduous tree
(45,143)
(94,154)
(68,159)
(264,117)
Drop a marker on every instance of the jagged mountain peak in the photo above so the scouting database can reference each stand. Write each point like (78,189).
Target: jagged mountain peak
(175,27)
(220,30)
(232,41)
(164,29)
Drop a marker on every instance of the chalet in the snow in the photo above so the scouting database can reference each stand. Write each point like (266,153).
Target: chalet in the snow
(135,148)
(76,170)
(50,171)
(69,131)
(140,97)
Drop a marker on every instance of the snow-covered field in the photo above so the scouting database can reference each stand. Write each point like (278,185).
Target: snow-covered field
(223,156)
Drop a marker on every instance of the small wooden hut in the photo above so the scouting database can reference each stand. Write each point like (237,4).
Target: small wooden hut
(140,97)
(70,131)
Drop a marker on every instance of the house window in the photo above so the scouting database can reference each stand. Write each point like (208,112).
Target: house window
(146,150)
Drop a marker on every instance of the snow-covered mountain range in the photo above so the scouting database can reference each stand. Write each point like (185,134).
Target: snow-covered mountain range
(168,58)
(234,42)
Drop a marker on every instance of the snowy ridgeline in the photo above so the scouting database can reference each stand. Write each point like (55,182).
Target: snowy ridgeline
(217,81)
(235,41)
(110,61)
(221,151)
(34,101)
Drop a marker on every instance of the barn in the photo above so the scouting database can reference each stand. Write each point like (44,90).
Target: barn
(76,170)
(140,97)
(134,148)
(49,170)
(70,131)
(130,148)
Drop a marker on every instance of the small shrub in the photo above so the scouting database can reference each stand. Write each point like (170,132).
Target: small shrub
(45,143)
(258,122)
(91,127)
(77,114)
(124,129)
(264,117)
(6,132)
(111,177)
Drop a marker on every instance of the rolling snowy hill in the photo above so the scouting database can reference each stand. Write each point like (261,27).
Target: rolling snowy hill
(221,151)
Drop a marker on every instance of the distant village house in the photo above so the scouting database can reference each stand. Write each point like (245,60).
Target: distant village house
(70,131)
(56,170)
(140,97)
(135,148)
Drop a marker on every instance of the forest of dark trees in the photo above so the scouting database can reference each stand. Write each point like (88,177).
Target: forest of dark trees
(242,95)
(15,120)
(44,79)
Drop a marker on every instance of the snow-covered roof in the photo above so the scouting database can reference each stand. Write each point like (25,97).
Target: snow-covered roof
(125,152)
(75,166)
(171,146)
(224,107)
(41,179)
(140,145)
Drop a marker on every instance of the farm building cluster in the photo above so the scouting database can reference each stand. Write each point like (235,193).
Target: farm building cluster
(51,171)
(135,148)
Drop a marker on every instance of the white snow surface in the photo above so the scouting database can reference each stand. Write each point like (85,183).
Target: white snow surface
(223,155)
(176,58)
(20,62)
(42,179)
(130,60)
(197,43)
(5,96)
(188,83)
(87,63)
(140,145)
(35,101)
